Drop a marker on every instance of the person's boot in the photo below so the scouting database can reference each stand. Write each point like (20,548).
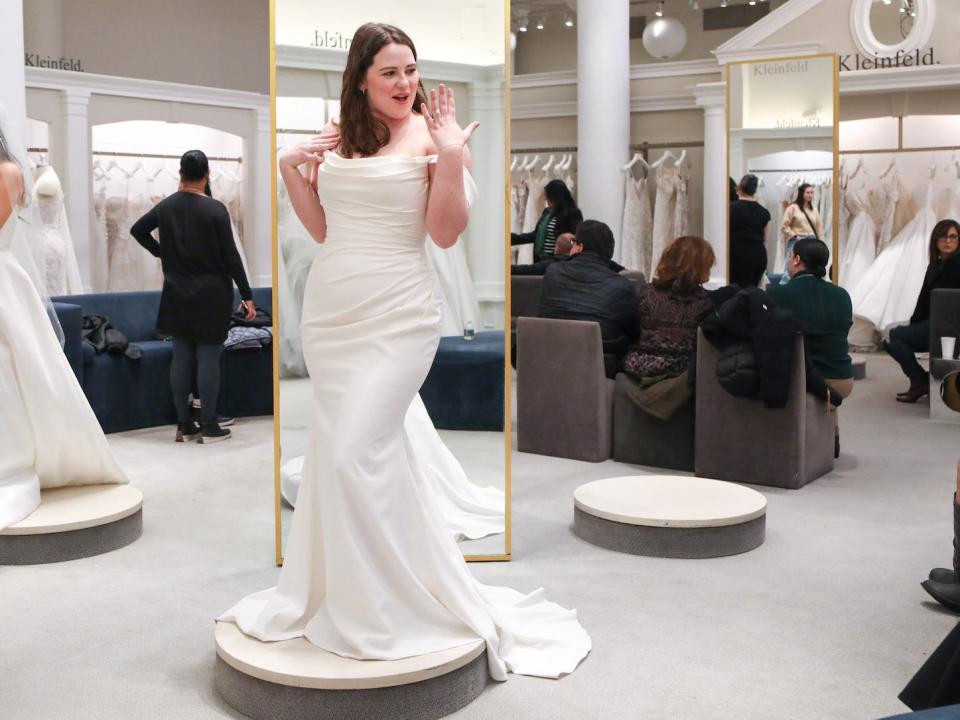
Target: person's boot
(947,575)
(919,387)
(187,431)
(947,594)
(212,432)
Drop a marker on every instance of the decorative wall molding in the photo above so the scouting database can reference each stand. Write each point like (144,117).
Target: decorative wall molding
(647,71)
(329,60)
(927,77)
(769,52)
(754,34)
(639,104)
(65,80)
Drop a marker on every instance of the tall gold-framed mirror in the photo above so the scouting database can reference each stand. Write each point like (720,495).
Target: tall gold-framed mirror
(457,427)
(782,132)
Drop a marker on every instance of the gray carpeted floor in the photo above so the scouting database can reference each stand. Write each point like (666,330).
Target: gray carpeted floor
(825,620)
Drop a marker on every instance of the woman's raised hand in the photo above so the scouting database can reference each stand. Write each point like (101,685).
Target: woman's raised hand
(311,150)
(441,119)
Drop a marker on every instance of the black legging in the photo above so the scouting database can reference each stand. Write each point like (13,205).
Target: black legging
(206,359)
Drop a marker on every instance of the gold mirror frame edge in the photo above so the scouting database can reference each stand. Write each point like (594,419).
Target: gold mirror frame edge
(507,555)
(835,221)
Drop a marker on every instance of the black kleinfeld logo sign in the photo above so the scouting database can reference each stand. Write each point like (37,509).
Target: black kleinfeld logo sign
(916,58)
(327,39)
(47,61)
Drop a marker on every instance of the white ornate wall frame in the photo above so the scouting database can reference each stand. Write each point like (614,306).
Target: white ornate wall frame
(867,41)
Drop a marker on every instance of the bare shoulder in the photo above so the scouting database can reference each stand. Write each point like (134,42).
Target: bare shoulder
(12,177)
(332,126)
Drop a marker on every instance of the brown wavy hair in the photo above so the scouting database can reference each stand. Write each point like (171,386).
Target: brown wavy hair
(684,265)
(361,134)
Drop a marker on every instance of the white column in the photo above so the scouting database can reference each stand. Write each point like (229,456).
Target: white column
(716,187)
(75,162)
(486,233)
(259,231)
(603,109)
(13,100)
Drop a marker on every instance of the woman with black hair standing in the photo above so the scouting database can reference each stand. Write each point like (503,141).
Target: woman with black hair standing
(200,264)
(560,216)
(748,228)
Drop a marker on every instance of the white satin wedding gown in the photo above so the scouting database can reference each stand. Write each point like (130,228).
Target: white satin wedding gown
(50,437)
(371,571)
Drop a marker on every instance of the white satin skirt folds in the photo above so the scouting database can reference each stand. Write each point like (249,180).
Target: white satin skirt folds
(371,570)
(49,436)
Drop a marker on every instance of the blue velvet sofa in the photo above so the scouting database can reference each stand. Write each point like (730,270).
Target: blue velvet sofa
(464,388)
(129,394)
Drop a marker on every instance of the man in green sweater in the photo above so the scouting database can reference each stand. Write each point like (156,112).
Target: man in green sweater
(826,311)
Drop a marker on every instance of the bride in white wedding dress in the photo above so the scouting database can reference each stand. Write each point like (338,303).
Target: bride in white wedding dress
(50,435)
(371,571)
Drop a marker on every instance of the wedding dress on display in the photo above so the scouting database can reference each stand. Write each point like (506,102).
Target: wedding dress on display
(860,250)
(50,436)
(664,212)
(887,293)
(371,570)
(681,211)
(637,226)
(58,259)
(295,254)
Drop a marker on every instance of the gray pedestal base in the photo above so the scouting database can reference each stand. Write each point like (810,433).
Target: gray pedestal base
(35,549)
(424,700)
(670,542)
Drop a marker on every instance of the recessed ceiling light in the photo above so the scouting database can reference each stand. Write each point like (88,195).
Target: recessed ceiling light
(568,21)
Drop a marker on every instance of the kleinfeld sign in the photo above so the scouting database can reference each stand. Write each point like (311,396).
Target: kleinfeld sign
(47,61)
(899,59)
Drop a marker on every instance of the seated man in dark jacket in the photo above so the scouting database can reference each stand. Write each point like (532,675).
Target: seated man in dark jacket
(562,252)
(588,286)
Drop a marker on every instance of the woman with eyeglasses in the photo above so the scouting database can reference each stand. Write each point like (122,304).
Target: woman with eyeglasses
(906,340)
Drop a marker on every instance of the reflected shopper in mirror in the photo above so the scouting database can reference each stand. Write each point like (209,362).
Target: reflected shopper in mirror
(800,220)
(943,271)
(200,265)
(560,216)
(748,228)
(589,286)
(562,252)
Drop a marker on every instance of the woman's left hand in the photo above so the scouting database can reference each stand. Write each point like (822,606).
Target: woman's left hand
(248,309)
(441,119)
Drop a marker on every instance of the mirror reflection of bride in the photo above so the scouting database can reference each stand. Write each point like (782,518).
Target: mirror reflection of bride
(371,571)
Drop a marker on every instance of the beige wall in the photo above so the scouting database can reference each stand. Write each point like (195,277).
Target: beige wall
(555,47)
(214,43)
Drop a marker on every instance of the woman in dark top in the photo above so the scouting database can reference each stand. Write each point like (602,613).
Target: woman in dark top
(748,227)
(560,216)
(200,264)
(670,309)
(906,340)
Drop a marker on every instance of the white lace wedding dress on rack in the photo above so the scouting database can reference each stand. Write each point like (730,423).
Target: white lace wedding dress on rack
(664,212)
(859,250)
(887,293)
(371,570)
(50,436)
(635,237)
(58,258)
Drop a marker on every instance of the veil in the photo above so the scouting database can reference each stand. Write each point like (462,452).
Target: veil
(26,242)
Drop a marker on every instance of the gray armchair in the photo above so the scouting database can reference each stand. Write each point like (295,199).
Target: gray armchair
(564,399)
(642,439)
(944,385)
(739,439)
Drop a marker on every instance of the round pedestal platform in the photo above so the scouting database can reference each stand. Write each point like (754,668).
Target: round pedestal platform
(859,367)
(74,522)
(294,679)
(671,516)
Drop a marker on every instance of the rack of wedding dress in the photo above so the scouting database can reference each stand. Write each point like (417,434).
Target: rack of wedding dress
(127,185)
(530,171)
(888,215)
(54,253)
(648,228)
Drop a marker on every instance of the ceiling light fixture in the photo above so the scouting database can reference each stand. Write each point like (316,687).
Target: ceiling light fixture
(540,24)
(568,21)
(659,12)
(723,3)
(523,26)
(903,6)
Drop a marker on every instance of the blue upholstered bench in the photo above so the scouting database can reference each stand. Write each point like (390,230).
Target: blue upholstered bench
(464,389)
(128,394)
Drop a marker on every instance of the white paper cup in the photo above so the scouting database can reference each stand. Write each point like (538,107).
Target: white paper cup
(947,345)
